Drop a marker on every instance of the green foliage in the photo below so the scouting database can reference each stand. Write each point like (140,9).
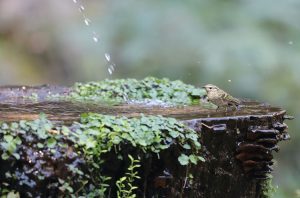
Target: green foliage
(268,189)
(30,150)
(99,134)
(187,159)
(8,194)
(85,144)
(102,133)
(170,92)
(183,159)
(125,184)
(202,47)
(9,146)
(10,135)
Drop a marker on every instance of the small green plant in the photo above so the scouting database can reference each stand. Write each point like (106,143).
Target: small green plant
(9,146)
(125,184)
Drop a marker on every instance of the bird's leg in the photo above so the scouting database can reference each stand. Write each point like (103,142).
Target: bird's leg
(236,107)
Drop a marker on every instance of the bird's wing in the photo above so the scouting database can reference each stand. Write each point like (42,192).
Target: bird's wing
(232,99)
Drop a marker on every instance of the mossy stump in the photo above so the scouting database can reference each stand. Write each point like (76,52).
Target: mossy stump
(237,146)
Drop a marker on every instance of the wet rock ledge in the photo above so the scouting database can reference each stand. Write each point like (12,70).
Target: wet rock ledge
(75,148)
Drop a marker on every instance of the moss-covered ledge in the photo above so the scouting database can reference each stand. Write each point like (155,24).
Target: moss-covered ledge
(100,155)
(129,138)
(146,91)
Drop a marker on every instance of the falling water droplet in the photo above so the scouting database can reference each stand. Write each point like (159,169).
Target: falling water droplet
(87,21)
(107,57)
(110,71)
(111,68)
(81,8)
(229,80)
(95,39)
(291,42)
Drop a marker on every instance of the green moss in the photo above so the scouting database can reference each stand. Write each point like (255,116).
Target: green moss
(30,149)
(150,88)
(268,189)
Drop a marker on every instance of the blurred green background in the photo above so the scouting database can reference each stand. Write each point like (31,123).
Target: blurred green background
(250,48)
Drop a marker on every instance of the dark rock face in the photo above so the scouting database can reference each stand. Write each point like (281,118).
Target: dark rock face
(238,152)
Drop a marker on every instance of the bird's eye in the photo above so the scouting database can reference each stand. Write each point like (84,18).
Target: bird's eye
(209,88)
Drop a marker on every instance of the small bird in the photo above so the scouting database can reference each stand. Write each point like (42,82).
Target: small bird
(219,97)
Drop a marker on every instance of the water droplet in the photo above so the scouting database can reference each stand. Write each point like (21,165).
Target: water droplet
(111,68)
(95,39)
(291,42)
(81,8)
(229,80)
(110,71)
(87,21)
(107,57)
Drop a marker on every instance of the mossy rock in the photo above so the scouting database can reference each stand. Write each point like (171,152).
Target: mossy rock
(109,139)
